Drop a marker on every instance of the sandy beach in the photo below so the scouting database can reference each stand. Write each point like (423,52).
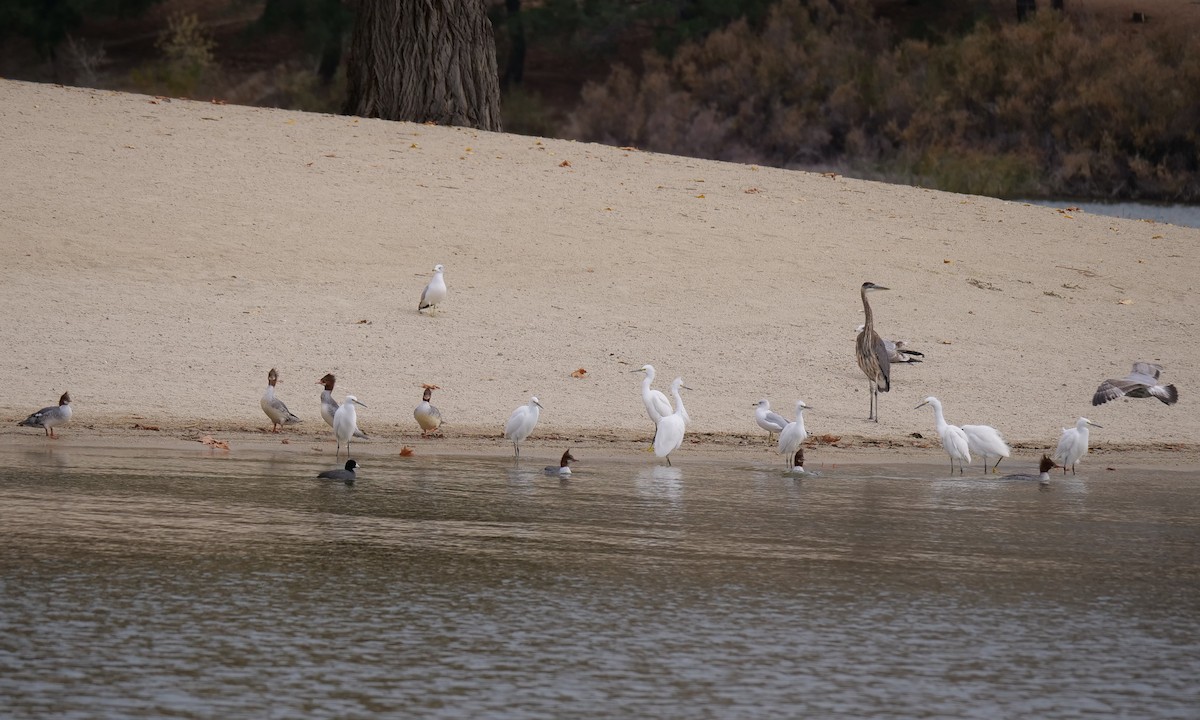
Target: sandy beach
(160,256)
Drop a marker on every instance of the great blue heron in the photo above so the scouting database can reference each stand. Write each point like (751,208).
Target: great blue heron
(898,351)
(1141,383)
(872,354)
(954,440)
(985,440)
(793,435)
(1073,444)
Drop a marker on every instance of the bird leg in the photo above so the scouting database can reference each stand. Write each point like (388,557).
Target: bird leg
(996,465)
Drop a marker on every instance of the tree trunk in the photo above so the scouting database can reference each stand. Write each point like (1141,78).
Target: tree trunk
(424,61)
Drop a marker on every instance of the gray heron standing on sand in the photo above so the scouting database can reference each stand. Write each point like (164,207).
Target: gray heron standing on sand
(872,354)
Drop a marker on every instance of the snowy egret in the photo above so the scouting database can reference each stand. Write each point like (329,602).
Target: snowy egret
(427,416)
(898,352)
(1141,383)
(51,417)
(563,467)
(657,404)
(668,433)
(1073,444)
(274,407)
(954,440)
(872,354)
(985,440)
(345,422)
(767,420)
(793,435)
(1044,468)
(346,475)
(434,292)
(329,406)
(520,424)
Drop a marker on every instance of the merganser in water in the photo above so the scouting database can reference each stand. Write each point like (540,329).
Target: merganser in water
(428,416)
(793,435)
(434,292)
(345,422)
(772,422)
(49,418)
(329,406)
(1044,468)
(274,407)
(564,465)
(346,475)
(521,423)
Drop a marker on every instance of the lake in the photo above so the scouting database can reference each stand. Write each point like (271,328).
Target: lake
(1173,213)
(154,583)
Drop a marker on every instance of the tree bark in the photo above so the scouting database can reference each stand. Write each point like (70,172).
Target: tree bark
(424,61)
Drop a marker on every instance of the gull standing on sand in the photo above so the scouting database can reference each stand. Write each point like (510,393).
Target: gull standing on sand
(345,423)
(954,440)
(668,433)
(51,417)
(274,407)
(329,406)
(1141,383)
(897,350)
(770,421)
(434,292)
(793,435)
(346,475)
(521,423)
(1073,444)
(564,465)
(985,440)
(428,416)
(872,354)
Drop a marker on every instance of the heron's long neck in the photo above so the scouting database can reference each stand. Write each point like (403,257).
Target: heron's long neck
(938,419)
(678,400)
(800,421)
(646,383)
(870,319)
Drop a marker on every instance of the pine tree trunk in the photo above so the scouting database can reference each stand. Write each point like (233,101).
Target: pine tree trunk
(424,61)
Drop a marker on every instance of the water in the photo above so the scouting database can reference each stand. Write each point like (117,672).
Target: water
(156,584)
(1173,213)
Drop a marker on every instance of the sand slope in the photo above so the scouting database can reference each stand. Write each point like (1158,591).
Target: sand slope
(161,256)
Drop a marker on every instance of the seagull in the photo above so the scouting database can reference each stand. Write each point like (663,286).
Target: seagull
(50,417)
(345,422)
(793,435)
(434,292)
(563,467)
(897,350)
(954,440)
(346,476)
(521,423)
(985,440)
(767,420)
(427,416)
(668,433)
(329,406)
(1073,444)
(1141,383)
(274,407)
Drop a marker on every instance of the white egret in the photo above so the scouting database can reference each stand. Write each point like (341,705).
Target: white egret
(346,475)
(770,421)
(985,440)
(564,465)
(274,407)
(426,415)
(51,417)
(1073,444)
(668,433)
(793,435)
(954,440)
(329,406)
(434,292)
(657,404)
(345,422)
(1141,383)
(521,423)
(872,354)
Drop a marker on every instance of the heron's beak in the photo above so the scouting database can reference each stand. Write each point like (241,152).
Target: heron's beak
(535,402)
(685,387)
(356,402)
(921,405)
(1094,424)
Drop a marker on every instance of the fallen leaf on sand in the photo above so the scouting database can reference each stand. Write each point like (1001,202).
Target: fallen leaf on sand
(1125,301)
(565,163)
(430,387)
(139,426)
(579,373)
(212,442)
(406,451)
(828,439)
(285,441)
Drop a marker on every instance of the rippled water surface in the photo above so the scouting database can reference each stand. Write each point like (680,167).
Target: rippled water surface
(155,584)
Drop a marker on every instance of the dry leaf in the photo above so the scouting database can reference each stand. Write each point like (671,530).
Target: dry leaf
(565,163)
(701,195)
(1125,301)
(828,439)
(212,442)
(1156,237)
(363,322)
(430,387)
(829,175)
(285,441)
(751,191)
(947,262)
(945,342)
(406,451)
(579,373)
(139,426)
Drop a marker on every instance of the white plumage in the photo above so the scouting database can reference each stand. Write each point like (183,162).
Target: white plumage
(986,441)
(1073,444)
(521,423)
(668,434)
(792,435)
(954,440)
